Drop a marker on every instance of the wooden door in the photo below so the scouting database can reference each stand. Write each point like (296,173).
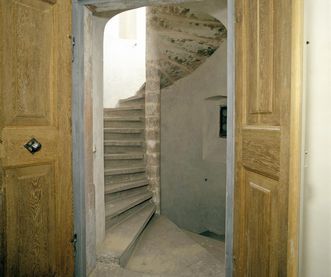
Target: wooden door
(35,102)
(268,79)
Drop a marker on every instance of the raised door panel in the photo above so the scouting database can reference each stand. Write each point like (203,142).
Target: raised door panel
(31,220)
(261,99)
(30,58)
(261,200)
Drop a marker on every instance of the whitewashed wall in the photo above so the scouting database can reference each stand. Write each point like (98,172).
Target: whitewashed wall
(316,211)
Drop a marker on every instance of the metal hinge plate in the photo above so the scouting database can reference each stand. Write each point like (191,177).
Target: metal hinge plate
(73,44)
(74,242)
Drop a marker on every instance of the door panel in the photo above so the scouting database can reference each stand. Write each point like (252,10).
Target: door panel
(267,90)
(35,102)
(31,209)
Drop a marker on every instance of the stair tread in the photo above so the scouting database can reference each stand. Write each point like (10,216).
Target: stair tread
(124,142)
(124,118)
(117,187)
(124,156)
(125,108)
(124,170)
(135,97)
(165,248)
(123,130)
(122,236)
(121,205)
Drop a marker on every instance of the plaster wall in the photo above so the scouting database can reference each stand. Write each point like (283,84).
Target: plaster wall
(193,157)
(179,41)
(316,208)
(88,141)
(98,154)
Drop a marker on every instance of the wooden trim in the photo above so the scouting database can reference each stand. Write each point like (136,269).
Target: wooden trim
(295,135)
(78,139)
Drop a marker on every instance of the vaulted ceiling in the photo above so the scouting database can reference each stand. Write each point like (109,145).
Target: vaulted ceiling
(184,40)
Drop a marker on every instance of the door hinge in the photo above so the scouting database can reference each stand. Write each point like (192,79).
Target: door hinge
(73,44)
(74,242)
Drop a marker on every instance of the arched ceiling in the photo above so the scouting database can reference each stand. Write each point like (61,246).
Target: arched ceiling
(184,40)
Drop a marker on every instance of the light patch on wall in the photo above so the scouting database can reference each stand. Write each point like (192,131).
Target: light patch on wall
(124,56)
(128,25)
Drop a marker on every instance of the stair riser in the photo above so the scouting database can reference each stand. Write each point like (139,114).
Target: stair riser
(124,194)
(109,164)
(114,213)
(124,259)
(124,136)
(124,113)
(124,178)
(115,188)
(123,149)
(115,220)
(124,124)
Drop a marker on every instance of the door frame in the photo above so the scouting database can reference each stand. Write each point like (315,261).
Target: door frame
(230,149)
(78,129)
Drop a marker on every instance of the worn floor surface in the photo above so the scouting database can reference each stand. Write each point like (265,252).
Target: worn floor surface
(165,250)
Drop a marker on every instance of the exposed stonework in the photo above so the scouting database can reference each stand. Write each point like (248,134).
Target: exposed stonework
(184,40)
(152,116)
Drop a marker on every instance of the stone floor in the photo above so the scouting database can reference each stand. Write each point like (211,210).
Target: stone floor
(167,251)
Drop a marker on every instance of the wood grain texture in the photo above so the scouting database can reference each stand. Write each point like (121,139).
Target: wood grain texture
(35,101)
(260,150)
(262,106)
(31,239)
(267,143)
(295,138)
(262,224)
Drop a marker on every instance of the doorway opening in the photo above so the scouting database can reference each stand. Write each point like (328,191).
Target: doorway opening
(159,159)
(164,163)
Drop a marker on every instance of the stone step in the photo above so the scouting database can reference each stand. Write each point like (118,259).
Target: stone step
(119,206)
(123,143)
(112,188)
(110,222)
(123,136)
(122,171)
(125,108)
(123,118)
(124,130)
(165,250)
(134,100)
(124,122)
(125,111)
(124,156)
(123,146)
(124,160)
(114,179)
(123,194)
(121,238)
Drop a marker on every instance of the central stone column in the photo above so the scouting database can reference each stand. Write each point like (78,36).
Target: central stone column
(152,111)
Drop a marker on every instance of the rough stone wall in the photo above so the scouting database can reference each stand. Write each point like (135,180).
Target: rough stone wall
(178,42)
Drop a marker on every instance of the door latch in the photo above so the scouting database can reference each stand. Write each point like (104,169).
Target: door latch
(33,146)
